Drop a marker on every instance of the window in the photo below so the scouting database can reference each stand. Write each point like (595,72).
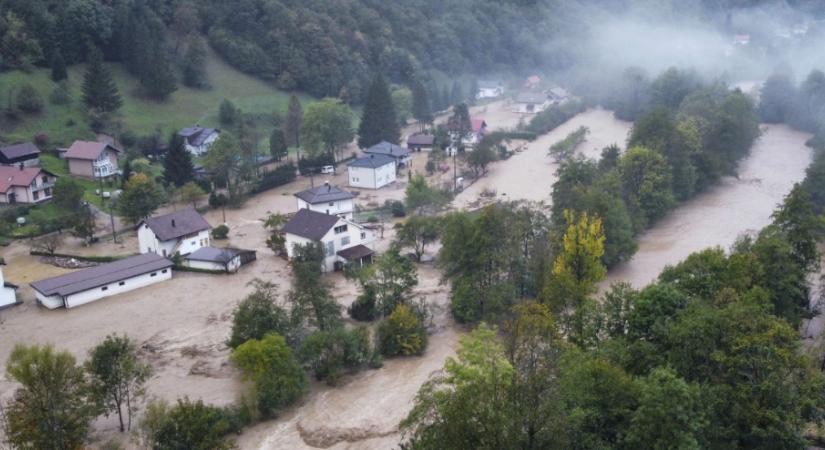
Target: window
(47,192)
(331,248)
(45,179)
(104,288)
(344,241)
(194,242)
(164,270)
(331,203)
(363,235)
(36,195)
(154,274)
(121,283)
(340,229)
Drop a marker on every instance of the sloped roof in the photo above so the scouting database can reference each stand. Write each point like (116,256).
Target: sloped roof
(531,97)
(310,224)
(19,151)
(489,84)
(421,139)
(355,252)
(373,161)
(386,148)
(214,254)
(478,124)
(87,150)
(14,176)
(197,135)
(559,93)
(174,225)
(324,194)
(83,280)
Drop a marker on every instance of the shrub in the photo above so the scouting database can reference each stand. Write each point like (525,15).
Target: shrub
(257,315)
(364,307)
(280,176)
(397,208)
(186,425)
(552,117)
(269,364)
(326,353)
(61,95)
(372,218)
(28,99)
(220,232)
(216,200)
(403,333)
(41,139)
(430,166)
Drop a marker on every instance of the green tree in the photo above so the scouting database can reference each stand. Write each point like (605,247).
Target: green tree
(402,103)
(68,194)
(178,168)
(379,121)
(459,123)
(422,198)
(646,185)
(50,410)
(117,376)
(276,240)
(389,281)
(326,127)
(777,100)
(403,333)
(160,80)
(191,192)
(310,297)
(422,111)
(140,198)
(228,113)
(257,315)
(224,159)
(194,63)
(99,89)
(188,425)
(28,100)
(277,378)
(58,66)
(801,225)
(418,232)
(480,158)
(277,144)
(294,121)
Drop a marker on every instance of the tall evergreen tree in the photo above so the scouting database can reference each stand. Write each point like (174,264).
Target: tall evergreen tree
(294,120)
(177,165)
(58,67)
(99,89)
(456,96)
(378,121)
(446,102)
(277,144)
(194,63)
(421,105)
(158,78)
(471,98)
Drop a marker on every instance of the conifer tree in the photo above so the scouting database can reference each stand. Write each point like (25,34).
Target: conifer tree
(158,78)
(177,165)
(99,89)
(456,96)
(58,67)
(378,121)
(294,120)
(421,105)
(194,64)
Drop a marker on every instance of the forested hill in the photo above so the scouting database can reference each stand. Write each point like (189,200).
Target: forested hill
(319,46)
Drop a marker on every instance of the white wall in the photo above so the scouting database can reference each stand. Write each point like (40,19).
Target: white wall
(341,208)
(148,242)
(537,108)
(203,148)
(232,267)
(7,294)
(353,233)
(129,284)
(488,92)
(368,178)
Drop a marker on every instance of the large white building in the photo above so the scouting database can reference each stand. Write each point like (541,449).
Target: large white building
(343,240)
(372,172)
(87,285)
(327,199)
(179,232)
(8,291)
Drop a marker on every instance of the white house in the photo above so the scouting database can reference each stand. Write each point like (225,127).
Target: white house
(8,291)
(372,172)
(199,139)
(87,285)
(531,102)
(400,154)
(343,240)
(489,89)
(558,95)
(327,199)
(178,232)
(220,259)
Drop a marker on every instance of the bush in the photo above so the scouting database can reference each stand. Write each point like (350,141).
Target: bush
(280,176)
(220,232)
(403,333)
(326,353)
(277,377)
(396,208)
(430,166)
(258,315)
(217,200)
(364,307)
(307,165)
(61,95)
(28,99)
(41,139)
(186,425)
(372,218)
(552,117)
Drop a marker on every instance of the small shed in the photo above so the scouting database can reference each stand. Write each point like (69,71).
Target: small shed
(227,260)
(420,141)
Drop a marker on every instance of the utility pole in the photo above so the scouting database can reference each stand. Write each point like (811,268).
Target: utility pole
(455,173)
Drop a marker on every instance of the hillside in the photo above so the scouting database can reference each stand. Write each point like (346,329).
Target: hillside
(141,116)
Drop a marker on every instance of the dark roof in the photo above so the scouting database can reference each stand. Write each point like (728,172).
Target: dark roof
(386,148)
(174,225)
(373,161)
(421,139)
(19,152)
(323,194)
(559,93)
(310,224)
(197,135)
(9,285)
(213,254)
(83,280)
(531,97)
(356,252)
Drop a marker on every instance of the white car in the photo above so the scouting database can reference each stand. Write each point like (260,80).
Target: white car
(328,169)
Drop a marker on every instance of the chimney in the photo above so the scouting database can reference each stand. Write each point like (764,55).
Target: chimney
(173,223)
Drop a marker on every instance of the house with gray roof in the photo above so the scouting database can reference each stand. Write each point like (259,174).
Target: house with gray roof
(420,141)
(179,232)
(372,172)
(327,199)
(343,241)
(400,154)
(94,283)
(24,153)
(198,139)
(530,102)
(217,259)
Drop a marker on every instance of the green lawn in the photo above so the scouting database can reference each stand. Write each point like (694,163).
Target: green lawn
(60,168)
(142,116)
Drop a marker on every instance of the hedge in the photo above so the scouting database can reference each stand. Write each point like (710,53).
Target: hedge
(552,117)
(98,259)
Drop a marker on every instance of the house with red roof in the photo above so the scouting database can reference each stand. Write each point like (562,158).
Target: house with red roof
(92,159)
(25,184)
